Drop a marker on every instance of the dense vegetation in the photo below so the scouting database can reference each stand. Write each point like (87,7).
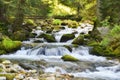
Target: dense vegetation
(103,13)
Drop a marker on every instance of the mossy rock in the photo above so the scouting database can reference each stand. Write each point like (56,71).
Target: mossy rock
(30,22)
(101,51)
(67,37)
(69,58)
(2,52)
(92,43)
(48,37)
(8,76)
(97,50)
(56,22)
(1,69)
(73,24)
(79,40)
(70,23)
(10,45)
(20,35)
(68,47)
(117,51)
(32,35)
(87,36)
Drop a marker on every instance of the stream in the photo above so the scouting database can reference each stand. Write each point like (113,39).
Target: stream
(88,66)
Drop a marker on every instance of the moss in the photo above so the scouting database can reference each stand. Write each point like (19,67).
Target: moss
(79,40)
(87,36)
(117,51)
(1,69)
(69,58)
(30,22)
(68,47)
(73,24)
(2,52)
(48,37)
(67,37)
(70,23)
(57,22)
(100,50)
(92,43)
(20,35)
(10,45)
(8,76)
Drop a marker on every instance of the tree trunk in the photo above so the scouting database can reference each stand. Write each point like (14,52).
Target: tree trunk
(3,18)
(19,15)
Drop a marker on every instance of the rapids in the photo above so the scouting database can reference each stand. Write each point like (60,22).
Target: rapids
(88,66)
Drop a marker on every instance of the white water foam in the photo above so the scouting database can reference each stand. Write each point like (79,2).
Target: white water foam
(55,69)
(102,73)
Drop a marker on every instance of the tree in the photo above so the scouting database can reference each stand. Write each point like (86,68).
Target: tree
(3,18)
(109,8)
(19,15)
(84,8)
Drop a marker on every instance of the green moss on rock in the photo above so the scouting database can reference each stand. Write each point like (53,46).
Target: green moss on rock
(69,58)
(117,51)
(2,52)
(67,37)
(57,22)
(79,40)
(20,35)
(10,45)
(68,47)
(8,76)
(48,37)
(30,22)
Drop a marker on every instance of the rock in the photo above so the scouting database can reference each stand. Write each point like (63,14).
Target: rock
(56,22)
(21,35)
(30,22)
(20,76)
(67,37)
(6,62)
(32,35)
(48,37)
(32,71)
(2,78)
(10,46)
(49,30)
(79,40)
(68,47)
(70,23)
(69,58)
(38,41)
(117,52)
(2,52)
(8,76)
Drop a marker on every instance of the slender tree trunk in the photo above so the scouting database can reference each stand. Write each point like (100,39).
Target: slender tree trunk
(19,15)
(3,18)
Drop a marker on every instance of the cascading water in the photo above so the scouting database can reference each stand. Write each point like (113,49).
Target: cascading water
(90,66)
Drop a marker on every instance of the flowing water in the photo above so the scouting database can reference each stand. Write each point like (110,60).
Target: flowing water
(88,66)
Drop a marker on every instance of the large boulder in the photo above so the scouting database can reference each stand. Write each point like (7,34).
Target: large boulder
(67,37)
(48,37)
(9,46)
(69,58)
(79,40)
